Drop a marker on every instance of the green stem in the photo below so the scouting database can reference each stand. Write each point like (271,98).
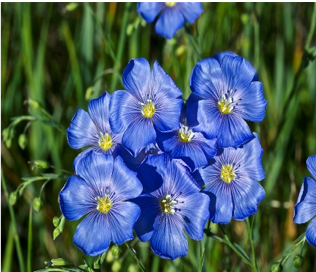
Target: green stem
(202,249)
(254,260)
(234,248)
(14,228)
(133,253)
(311,29)
(120,48)
(29,242)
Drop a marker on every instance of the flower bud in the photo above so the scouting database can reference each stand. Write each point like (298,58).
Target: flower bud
(56,221)
(56,233)
(59,262)
(22,141)
(276,268)
(40,164)
(116,266)
(298,261)
(37,204)
(116,251)
(13,198)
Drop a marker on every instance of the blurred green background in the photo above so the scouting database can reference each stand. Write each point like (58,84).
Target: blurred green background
(62,55)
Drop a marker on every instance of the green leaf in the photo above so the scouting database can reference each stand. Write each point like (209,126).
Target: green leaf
(241,250)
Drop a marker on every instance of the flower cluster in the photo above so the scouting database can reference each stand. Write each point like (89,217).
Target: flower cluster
(162,167)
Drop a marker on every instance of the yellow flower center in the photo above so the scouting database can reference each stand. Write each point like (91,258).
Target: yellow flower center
(104,204)
(170,4)
(225,104)
(185,135)
(148,108)
(167,203)
(227,173)
(105,141)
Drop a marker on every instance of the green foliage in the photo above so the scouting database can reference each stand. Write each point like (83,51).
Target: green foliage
(57,56)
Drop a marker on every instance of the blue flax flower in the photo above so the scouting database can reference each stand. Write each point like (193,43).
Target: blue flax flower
(152,101)
(230,180)
(225,92)
(188,145)
(170,204)
(305,208)
(172,15)
(93,129)
(101,190)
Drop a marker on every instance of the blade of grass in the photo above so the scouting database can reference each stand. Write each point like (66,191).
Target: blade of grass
(30,241)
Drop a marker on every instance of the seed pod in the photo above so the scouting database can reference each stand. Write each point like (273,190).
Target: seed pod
(37,204)
(298,261)
(116,251)
(22,141)
(276,268)
(12,198)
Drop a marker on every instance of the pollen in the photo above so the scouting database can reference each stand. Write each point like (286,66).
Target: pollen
(105,141)
(104,204)
(228,173)
(225,104)
(167,204)
(148,108)
(185,134)
(170,4)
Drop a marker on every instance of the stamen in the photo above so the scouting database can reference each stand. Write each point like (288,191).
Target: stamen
(228,173)
(105,141)
(185,135)
(170,4)
(104,203)
(226,104)
(167,204)
(148,108)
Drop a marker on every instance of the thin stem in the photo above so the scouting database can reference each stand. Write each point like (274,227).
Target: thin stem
(254,260)
(234,248)
(14,228)
(133,253)
(29,242)
(202,250)
(120,48)
(311,29)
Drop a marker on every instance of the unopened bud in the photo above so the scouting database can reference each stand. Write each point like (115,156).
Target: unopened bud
(298,261)
(56,233)
(59,262)
(116,266)
(33,103)
(22,141)
(37,204)
(276,268)
(13,198)
(116,251)
(56,221)
(40,164)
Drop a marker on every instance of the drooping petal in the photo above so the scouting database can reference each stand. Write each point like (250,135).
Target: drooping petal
(163,84)
(190,10)
(96,169)
(168,239)
(124,183)
(192,109)
(149,10)
(150,209)
(76,198)
(311,232)
(305,208)
(238,73)
(246,196)
(191,154)
(99,110)
(82,131)
(136,78)
(167,115)
(169,22)
(207,80)
(122,218)
(152,170)
(167,141)
(234,132)
(93,234)
(195,212)
(311,165)
(252,104)
(140,133)
(124,108)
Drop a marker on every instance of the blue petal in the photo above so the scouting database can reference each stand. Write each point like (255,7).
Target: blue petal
(311,232)
(136,78)
(252,104)
(206,145)
(191,154)
(167,115)
(80,156)
(93,234)
(96,169)
(122,218)
(192,109)
(234,131)
(246,196)
(305,208)
(167,141)
(221,205)
(140,133)
(124,109)
(238,73)
(163,84)
(209,118)
(82,131)
(100,112)
(311,165)
(195,213)
(207,80)
(76,198)
(150,209)
(190,10)
(169,22)
(168,239)
(125,184)
(149,10)
(151,171)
